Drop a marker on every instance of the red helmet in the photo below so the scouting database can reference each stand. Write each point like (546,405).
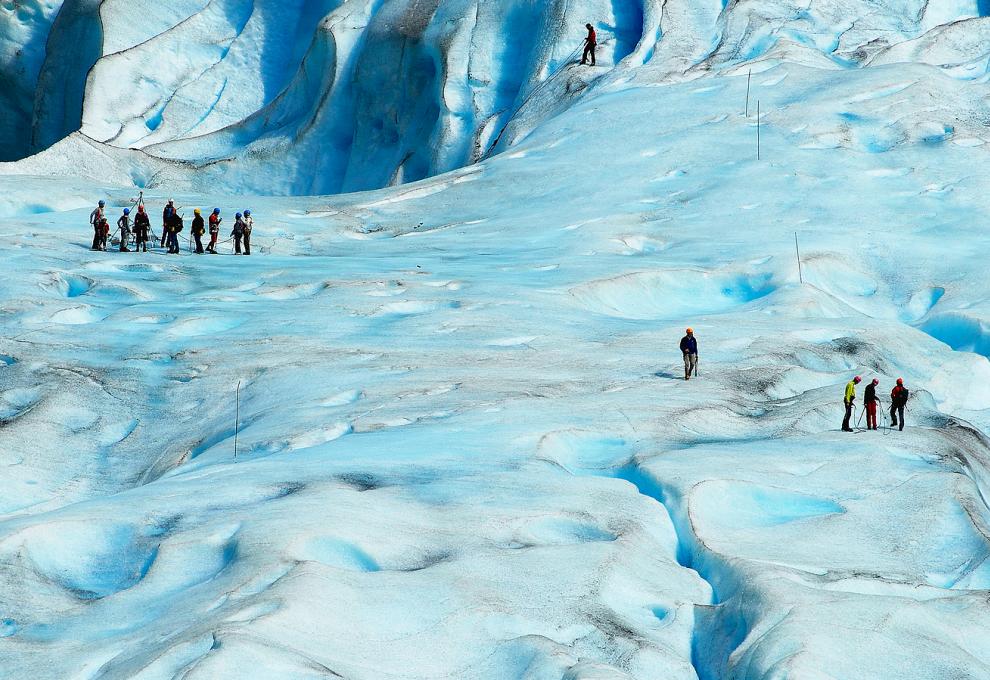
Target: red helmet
(900,381)
(876,381)
(140,208)
(857,379)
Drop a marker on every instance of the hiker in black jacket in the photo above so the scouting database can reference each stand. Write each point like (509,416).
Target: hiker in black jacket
(198,229)
(898,400)
(870,404)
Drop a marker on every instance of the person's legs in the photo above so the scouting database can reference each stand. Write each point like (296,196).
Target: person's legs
(199,244)
(871,416)
(96,238)
(687,366)
(847,418)
(247,244)
(900,412)
(237,245)
(593,55)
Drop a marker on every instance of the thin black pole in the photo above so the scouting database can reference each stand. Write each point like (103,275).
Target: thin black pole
(237,416)
(797,250)
(749,79)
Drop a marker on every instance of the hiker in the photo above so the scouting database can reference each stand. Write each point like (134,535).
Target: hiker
(848,400)
(248,226)
(124,225)
(215,221)
(95,218)
(898,400)
(167,214)
(237,233)
(689,348)
(104,233)
(589,45)
(870,402)
(141,227)
(198,230)
(174,227)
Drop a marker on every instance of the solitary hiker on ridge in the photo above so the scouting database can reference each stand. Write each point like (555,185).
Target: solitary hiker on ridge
(589,45)
(848,399)
(689,348)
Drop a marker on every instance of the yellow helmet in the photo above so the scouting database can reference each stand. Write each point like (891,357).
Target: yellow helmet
(196,211)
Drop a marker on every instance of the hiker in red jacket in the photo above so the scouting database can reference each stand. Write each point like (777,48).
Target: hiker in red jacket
(589,45)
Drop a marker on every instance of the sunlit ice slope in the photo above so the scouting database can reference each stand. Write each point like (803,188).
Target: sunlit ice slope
(461,426)
(463,447)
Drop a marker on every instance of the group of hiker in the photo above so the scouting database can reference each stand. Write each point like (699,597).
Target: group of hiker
(898,395)
(898,400)
(172,226)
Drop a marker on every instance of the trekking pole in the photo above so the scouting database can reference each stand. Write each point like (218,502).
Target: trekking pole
(697,361)
(860,419)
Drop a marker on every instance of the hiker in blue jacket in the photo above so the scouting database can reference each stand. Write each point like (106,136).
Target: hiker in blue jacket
(689,348)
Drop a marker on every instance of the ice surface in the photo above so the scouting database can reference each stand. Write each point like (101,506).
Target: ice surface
(463,448)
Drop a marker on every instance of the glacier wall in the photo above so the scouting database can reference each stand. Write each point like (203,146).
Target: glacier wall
(329,96)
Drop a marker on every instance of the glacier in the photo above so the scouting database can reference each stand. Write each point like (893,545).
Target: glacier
(450,369)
